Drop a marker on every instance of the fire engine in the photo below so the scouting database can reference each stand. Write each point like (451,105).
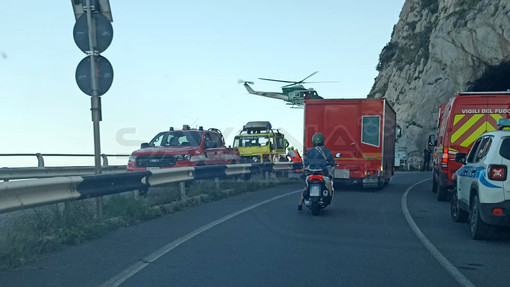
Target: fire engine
(183,148)
(360,133)
(462,120)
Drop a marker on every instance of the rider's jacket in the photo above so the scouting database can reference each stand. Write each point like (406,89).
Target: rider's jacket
(318,157)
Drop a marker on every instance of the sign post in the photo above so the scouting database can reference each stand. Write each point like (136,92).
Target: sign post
(93,33)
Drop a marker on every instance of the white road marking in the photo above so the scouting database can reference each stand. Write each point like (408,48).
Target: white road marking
(450,268)
(137,267)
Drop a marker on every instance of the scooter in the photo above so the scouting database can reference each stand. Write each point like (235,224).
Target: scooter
(316,196)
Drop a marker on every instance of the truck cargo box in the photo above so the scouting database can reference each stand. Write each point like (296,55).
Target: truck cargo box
(362,130)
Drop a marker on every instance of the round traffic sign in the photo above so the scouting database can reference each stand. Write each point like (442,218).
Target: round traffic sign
(103,73)
(103,33)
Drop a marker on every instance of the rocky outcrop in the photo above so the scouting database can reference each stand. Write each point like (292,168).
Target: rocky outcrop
(439,48)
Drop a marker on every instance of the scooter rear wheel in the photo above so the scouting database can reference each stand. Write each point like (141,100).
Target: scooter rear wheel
(315,208)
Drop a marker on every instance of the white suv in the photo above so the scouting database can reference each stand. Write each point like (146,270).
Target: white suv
(482,192)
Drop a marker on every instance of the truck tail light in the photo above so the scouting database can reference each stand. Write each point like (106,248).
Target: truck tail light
(445,155)
(497,172)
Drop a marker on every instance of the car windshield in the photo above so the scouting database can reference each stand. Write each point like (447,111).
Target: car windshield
(249,141)
(177,138)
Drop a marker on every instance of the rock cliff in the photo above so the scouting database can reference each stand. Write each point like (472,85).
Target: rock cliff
(439,48)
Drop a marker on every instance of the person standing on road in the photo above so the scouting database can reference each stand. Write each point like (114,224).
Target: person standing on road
(426,158)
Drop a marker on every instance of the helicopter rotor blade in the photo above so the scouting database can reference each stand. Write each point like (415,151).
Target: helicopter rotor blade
(303,80)
(274,80)
(320,82)
(292,83)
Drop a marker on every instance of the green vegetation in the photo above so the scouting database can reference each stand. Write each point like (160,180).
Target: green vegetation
(412,48)
(431,5)
(387,54)
(26,237)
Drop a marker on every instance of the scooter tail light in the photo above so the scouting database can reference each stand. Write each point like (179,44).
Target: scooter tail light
(497,211)
(316,177)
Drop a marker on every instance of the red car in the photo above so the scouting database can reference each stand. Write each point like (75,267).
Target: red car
(183,148)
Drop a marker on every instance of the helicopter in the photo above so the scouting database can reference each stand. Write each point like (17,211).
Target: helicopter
(294,93)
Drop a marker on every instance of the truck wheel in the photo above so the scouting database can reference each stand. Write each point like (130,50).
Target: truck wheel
(434,184)
(479,229)
(457,213)
(442,193)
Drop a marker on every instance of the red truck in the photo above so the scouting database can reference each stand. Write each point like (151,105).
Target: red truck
(363,131)
(183,148)
(461,121)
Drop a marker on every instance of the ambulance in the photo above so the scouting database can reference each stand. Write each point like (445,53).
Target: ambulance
(462,120)
(360,134)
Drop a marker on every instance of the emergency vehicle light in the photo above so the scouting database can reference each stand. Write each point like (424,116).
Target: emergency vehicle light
(171,128)
(504,123)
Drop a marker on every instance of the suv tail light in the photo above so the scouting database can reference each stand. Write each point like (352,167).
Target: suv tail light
(497,172)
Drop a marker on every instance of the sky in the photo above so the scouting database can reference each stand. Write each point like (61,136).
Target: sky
(175,63)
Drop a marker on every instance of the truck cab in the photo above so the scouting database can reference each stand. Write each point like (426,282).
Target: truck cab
(462,120)
(259,142)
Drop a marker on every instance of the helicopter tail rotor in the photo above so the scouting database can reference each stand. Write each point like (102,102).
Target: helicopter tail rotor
(240,81)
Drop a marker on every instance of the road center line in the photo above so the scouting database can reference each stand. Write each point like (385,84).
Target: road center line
(450,268)
(137,267)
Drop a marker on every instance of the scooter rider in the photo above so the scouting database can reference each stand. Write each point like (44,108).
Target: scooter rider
(319,157)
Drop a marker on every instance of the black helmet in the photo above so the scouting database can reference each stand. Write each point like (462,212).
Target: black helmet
(318,139)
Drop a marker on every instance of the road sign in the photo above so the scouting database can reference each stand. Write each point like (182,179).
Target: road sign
(103,33)
(104,75)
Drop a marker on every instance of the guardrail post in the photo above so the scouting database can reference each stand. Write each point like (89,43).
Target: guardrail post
(218,183)
(40,160)
(105,159)
(182,189)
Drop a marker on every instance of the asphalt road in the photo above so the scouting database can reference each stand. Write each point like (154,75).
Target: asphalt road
(398,236)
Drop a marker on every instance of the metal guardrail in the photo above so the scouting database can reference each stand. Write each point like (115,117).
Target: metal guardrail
(41,171)
(40,156)
(17,195)
(12,173)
